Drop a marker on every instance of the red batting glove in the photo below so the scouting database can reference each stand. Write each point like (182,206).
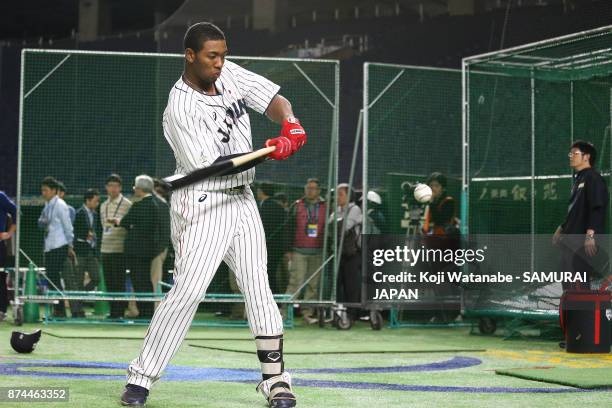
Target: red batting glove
(283,148)
(293,131)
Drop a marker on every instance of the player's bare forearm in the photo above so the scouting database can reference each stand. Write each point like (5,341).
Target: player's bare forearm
(279,109)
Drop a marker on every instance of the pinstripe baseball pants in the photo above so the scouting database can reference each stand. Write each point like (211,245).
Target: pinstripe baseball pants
(207,228)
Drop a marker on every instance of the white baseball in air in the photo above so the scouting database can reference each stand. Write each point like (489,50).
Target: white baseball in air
(422,193)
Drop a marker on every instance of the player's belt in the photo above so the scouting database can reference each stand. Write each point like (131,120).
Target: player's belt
(234,190)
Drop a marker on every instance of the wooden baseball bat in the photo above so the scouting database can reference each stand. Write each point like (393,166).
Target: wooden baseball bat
(177,181)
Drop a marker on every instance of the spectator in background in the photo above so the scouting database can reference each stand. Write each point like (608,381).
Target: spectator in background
(282,199)
(376,218)
(349,218)
(61,192)
(161,190)
(142,242)
(440,214)
(161,195)
(8,213)
(86,240)
(59,235)
(113,261)
(307,225)
(273,218)
(70,268)
(286,240)
(85,264)
(441,229)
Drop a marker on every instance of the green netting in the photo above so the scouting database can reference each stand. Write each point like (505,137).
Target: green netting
(519,130)
(524,108)
(412,129)
(519,124)
(88,114)
(573,57)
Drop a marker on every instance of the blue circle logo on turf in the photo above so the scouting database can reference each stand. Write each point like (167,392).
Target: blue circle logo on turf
(48,369)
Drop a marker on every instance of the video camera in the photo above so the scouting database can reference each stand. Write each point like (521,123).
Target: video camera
(413,210)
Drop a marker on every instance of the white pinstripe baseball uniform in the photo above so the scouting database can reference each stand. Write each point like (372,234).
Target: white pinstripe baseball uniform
(210,222)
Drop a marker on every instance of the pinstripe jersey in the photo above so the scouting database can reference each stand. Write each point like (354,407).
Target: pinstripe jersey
(213,226)
(200,128)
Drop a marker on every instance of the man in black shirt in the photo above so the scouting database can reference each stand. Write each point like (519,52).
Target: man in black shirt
(142,241)
(585,220)
(273,218)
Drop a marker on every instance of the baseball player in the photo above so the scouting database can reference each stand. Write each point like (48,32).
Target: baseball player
(217,219)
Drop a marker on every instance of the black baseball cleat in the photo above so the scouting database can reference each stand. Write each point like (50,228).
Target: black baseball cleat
(134,396)
(277,391)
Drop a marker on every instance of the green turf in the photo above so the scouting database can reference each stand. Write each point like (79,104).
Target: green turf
(121,348)
(106,371)
(366,350)
(125,333)
(588,378)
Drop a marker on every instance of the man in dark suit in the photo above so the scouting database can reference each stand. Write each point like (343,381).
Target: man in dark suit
(142,242)
(84,244)
(161,196)
(86,235)
(273,218)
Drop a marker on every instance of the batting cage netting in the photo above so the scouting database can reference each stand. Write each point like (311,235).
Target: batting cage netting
(523,109)
(87,115)
(500,133)
(411,130)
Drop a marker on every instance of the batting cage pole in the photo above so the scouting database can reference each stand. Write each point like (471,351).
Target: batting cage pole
(364,114)
(17,303)
(333,181)
(533,148)
(465,148)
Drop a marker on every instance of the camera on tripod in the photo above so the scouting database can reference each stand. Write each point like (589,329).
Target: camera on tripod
(413,209)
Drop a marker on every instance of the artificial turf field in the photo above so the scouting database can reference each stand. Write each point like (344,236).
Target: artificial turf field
(427,367)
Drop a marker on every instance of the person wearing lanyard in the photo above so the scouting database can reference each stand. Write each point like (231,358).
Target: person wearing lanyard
(308,223)
(59,234)
(113,238)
